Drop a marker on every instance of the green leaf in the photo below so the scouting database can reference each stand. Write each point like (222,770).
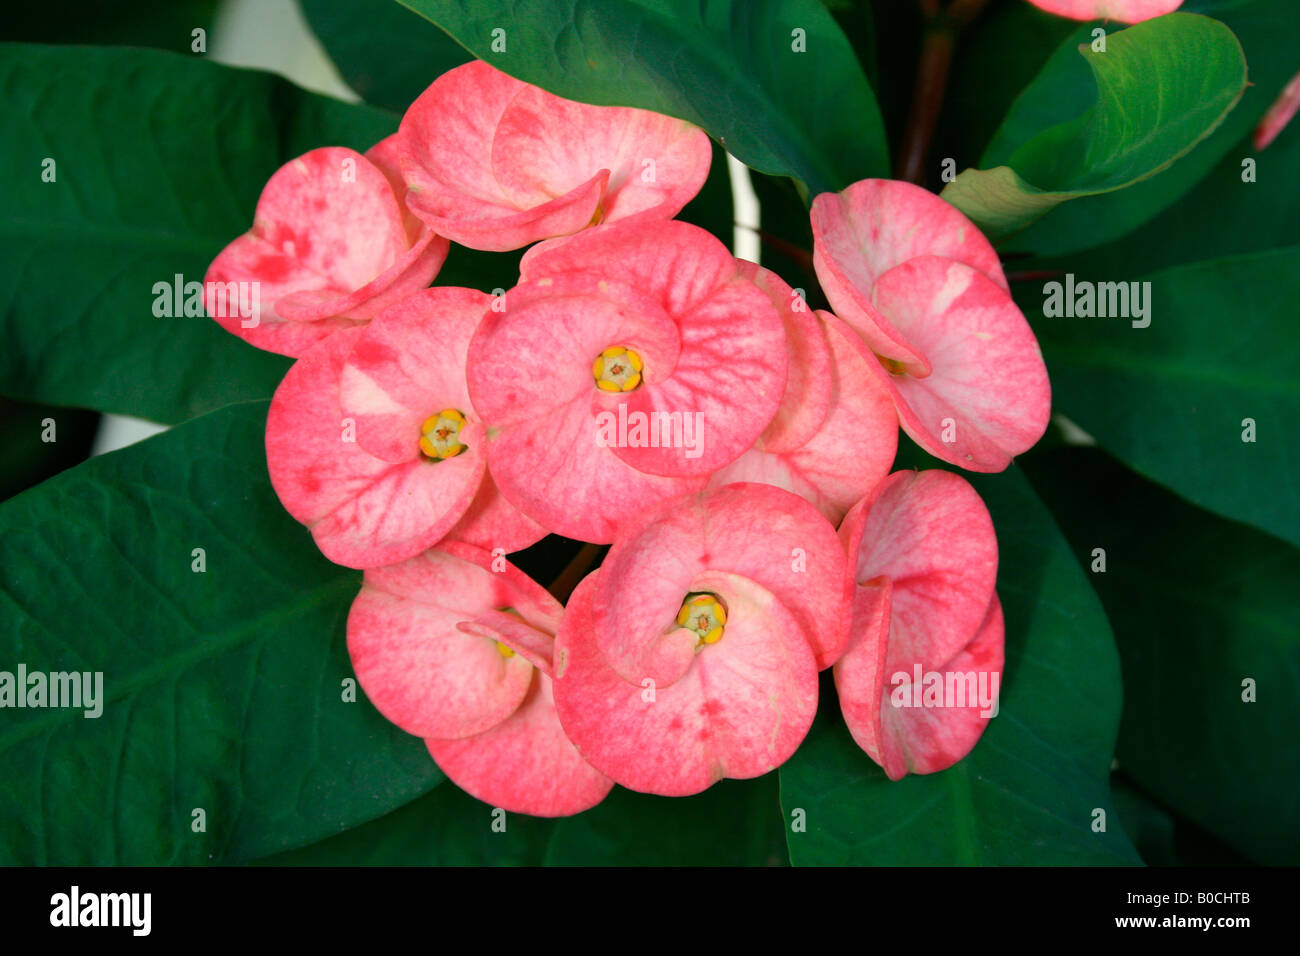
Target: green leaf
(159,160)
(1224,215)
(1149,826)
(444,828)
(386,53)
(1162,86)
(1199,606)
(729,67)
(222,689)
(733,823)
(1268,31)
(1027,793)
(997,56)
(1172,399)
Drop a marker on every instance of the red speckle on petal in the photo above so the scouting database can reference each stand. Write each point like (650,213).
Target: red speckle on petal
(273,267)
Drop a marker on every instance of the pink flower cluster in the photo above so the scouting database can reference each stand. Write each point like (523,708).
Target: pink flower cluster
(642,388)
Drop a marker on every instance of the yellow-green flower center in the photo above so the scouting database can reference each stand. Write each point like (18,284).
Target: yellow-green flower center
(706,615)
(440,435)
(617,369)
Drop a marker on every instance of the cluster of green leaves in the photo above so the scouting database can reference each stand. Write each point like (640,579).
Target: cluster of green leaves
(171,567)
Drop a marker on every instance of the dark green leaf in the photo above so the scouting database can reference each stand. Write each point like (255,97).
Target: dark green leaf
(222,689)
(734,823)
(1028,792)
(1173,399)
(444,828)
(1199,605)
(1148,825)
(386,53)
(730,67)
(159,160)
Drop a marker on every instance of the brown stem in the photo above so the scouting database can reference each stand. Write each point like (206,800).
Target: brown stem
(940,39)
(927,99)
(575,571)
(802,256)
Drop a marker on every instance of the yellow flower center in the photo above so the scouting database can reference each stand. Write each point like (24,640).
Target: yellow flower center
(617,369)
(440,435)
(706,615)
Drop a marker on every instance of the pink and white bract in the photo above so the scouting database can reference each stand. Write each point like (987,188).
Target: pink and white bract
(1125,11)
(692,654)
(456,650)
(494,163)
(923,615)
(630,363)
(835,433)
(924,291)
(373,443)
(331,245)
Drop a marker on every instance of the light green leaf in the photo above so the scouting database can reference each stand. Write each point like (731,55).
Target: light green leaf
(1268,32)
(1162,86)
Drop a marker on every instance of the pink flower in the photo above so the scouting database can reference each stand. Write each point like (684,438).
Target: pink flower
(835,434)
(455,646)
(1126,11)
(331,245)
(494,163)
(373,443)
(1279,115)
(692,654)
(923,615)
(924,291)
(629,363)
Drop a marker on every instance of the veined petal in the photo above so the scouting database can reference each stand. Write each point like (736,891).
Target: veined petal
(861,233)
(741,709)
(362,511)
(525,764)
(987,397)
